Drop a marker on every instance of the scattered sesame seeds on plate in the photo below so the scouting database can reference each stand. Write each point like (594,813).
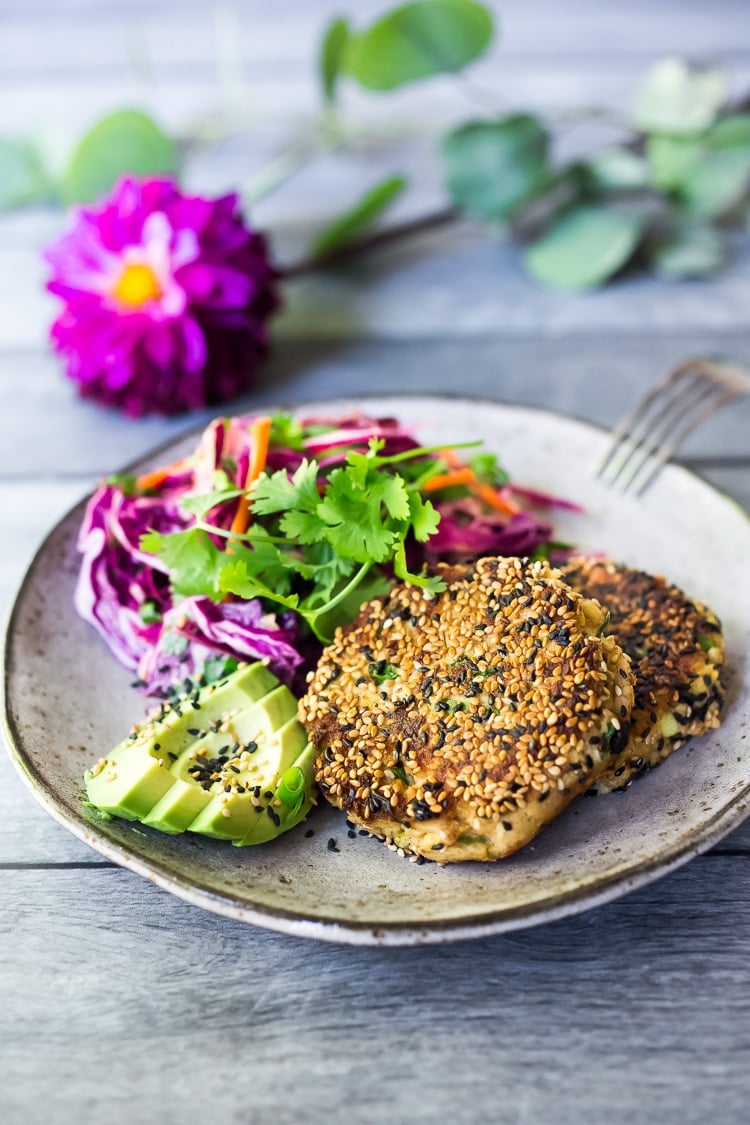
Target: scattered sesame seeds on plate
(68,701)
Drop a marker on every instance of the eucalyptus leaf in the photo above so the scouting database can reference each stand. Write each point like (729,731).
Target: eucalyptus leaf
(718,183)
(22,177)
(126,141)
(417,40)
(585,247)
(332,50)
(693,250)
(490,166)
(673,160)
(360,217)
(730,131)
(678,98)
(619,169)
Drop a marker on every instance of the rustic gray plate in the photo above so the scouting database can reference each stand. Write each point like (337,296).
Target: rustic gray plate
(68,702)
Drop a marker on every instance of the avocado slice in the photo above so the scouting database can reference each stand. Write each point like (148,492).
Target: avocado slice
(231,815)
(136,774)
(214,763)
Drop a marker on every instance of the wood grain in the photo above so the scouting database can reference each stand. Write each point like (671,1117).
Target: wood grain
(166,1013)
(118,1001)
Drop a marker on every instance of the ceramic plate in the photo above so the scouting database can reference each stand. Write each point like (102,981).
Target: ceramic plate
(68,702)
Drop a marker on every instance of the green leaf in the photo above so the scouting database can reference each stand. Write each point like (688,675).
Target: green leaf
(678,98)
(490,166)
(382,670)
(126,141)
(730,131)
(22,177)
(286,433)
(417,40)
(488,469)
(360,217)
(693,250)
(585,247)
(194,563)
(619,169)
(718,183)
(201,505)
(672,160)
(427,581)
(276,492)
(149,613)
(424,518)
(335,39)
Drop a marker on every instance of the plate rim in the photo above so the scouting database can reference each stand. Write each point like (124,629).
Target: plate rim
(331,929)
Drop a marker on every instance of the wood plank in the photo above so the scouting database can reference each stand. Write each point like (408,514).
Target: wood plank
(288,31)
(457,282)
(637,1012)
(579,374)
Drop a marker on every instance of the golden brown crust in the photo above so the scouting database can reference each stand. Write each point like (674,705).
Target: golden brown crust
(677,651)
(459,724)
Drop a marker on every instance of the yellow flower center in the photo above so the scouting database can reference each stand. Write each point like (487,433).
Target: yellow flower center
(136,285)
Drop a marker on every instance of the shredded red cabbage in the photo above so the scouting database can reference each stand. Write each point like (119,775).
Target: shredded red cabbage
(126,595)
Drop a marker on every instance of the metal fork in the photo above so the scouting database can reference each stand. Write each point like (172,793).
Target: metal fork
(653,431)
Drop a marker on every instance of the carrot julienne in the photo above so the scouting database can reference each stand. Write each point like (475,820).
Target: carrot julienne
(259,434)
(491,496)
(150,481)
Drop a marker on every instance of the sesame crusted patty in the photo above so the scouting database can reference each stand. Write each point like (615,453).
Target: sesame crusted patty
(457,725)
(677,651)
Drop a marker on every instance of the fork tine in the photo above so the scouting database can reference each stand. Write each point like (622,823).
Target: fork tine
(660,421)
(673,420)
(635,428)
(662,454)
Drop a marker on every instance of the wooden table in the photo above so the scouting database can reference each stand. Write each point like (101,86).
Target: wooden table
(119,1003)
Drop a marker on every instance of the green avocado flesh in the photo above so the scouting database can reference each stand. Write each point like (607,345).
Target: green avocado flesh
(229,761)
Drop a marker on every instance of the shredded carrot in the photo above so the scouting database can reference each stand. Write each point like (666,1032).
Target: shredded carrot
(491,496)
(259,434)
(449,480)
(150,481)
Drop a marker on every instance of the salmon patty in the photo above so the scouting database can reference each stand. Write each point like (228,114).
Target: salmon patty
(457,725)
(677,652)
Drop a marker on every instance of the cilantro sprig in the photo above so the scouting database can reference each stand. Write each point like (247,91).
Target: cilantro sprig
(316,546)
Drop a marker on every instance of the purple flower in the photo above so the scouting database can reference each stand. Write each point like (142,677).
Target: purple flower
(166,299)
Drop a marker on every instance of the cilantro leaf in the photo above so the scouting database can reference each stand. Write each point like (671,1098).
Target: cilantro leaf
(286,432)
(276,492)
(488,469)
(236,578)
(193,562)
(201,505)
(431,582)
(424,517)
(355,526)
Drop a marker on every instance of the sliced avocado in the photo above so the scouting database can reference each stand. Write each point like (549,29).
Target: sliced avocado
(231,816)
(264,828)
(178,807)
(137,773)
(213,764)
(129,781)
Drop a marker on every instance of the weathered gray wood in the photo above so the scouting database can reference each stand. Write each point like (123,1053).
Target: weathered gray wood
(121,1003)
(597,377)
